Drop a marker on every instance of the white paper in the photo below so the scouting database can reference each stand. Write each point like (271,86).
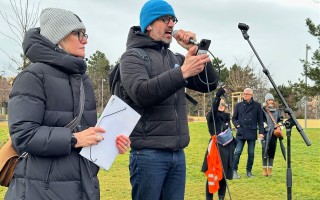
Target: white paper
(117,118)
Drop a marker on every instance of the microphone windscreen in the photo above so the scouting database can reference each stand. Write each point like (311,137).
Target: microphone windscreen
(243,26)
(174,32)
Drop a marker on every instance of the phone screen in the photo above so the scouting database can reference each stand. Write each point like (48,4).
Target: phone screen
(203,46)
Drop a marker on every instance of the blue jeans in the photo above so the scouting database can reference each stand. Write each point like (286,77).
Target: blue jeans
(157,174)
(238,151)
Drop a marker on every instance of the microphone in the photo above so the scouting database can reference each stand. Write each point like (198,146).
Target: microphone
(191,41)
(243,26)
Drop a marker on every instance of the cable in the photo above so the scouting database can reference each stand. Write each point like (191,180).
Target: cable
(206,82)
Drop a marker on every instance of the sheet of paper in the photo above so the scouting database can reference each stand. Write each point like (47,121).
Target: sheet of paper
(117,118)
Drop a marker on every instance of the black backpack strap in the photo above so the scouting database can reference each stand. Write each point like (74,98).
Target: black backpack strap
(144,56)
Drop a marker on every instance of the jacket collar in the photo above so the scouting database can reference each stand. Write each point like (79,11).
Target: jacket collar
(137,39)
(37,48)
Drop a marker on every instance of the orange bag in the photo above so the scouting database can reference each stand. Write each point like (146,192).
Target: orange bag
(277,132)
(8,162)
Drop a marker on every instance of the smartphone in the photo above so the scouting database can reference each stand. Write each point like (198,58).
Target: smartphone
(203,46)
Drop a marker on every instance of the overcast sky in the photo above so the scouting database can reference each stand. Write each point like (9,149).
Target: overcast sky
(277,29)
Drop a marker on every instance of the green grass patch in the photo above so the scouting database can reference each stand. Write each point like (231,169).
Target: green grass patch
(115,184)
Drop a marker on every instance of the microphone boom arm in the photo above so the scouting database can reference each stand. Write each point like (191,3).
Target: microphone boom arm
(292,121)
(287,109)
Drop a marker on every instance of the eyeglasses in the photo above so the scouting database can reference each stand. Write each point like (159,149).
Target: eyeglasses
(166,19)
(246,94)
(81,34)
(222,104)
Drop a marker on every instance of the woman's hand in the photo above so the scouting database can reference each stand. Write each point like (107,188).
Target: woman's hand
(88,137)
(122,143)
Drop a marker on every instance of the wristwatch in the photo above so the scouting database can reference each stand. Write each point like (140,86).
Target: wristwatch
(73,140)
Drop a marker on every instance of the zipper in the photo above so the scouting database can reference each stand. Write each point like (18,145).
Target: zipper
(177,119)
(144,123)
(46,187)
(175,103)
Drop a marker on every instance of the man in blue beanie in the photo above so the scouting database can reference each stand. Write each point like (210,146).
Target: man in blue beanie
(157,92)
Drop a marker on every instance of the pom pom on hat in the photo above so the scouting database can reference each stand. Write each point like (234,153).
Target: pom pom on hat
(152,10)
(56,24)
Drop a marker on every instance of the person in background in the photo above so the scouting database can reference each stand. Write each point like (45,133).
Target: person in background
(157,160)
(43,101)
(247,118)
(218,124)
(269,108)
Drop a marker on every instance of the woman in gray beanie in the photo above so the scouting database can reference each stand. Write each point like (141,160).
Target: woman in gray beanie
(49,94)
(270,114)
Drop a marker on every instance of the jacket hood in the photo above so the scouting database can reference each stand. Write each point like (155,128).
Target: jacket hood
(37,48)
(137,39)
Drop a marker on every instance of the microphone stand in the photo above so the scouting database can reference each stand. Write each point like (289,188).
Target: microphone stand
(292,121)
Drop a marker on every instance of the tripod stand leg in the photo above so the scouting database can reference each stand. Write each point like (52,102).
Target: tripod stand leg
(288,124)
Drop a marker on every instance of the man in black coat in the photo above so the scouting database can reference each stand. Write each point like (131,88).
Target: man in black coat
(247,118)
(157,160)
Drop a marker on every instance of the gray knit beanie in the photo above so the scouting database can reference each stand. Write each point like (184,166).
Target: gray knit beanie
(56,24)
(268,97)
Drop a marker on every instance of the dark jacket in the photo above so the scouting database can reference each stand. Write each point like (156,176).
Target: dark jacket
(221,121)
(45,98)
(160,97)
(269,129)
(250,118)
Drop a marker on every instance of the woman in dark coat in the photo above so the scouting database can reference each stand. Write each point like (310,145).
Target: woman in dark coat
(269,107)
(221,123)
(43,100)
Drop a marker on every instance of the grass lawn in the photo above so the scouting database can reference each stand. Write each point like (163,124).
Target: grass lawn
(115,185)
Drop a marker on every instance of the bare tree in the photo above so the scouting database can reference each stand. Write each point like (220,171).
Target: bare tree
(240,78)
(5,87)
(23,17)
(243,75)
(262,87)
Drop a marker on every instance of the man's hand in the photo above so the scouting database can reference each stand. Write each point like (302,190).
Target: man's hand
(193,65)
(183,38)
(261,136)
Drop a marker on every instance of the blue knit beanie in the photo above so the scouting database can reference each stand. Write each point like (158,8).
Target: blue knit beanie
(152,10)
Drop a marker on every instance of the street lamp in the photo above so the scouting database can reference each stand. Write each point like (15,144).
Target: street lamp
(305,73)
(102,80)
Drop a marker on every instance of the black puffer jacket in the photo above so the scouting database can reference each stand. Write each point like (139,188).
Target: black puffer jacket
(45,98)
(159,95)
